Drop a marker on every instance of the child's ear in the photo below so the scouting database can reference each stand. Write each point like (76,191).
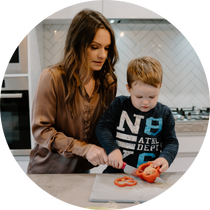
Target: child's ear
(128,89)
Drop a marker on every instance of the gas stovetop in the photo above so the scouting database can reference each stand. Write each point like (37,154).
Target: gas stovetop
(189,114)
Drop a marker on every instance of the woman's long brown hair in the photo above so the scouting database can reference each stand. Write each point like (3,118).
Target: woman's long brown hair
(79,37)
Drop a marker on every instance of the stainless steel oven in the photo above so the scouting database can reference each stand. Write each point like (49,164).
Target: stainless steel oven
(14,114)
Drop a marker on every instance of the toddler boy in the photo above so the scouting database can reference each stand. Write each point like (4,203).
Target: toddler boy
(138,128)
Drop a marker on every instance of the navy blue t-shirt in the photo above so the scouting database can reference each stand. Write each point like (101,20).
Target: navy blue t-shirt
(141,136)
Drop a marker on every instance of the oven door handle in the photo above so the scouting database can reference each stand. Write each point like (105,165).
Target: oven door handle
(11,95)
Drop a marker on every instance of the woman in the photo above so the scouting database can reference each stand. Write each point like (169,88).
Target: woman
(71,97)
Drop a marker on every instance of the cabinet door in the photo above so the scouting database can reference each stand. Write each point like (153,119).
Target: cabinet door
(182,163)
(23,162)
(117,9)
(190,143)
(70,12)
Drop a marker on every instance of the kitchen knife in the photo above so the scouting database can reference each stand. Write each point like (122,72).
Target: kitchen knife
(131,170)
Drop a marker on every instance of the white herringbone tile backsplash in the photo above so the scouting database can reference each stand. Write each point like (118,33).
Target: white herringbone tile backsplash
(184,79)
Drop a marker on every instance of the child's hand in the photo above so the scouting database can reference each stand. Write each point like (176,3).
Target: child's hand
(115,159)
(162,162)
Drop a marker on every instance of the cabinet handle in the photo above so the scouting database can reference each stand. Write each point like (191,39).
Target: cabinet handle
(11,95)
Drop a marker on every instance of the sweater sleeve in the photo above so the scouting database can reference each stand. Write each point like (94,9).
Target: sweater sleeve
(106,127)
(44,110)
(170,142)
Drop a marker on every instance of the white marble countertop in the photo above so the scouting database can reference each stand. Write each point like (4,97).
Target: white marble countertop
(75,189)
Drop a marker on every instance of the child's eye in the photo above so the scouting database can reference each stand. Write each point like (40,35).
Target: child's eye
(106,48)
(151,97)
(138,96)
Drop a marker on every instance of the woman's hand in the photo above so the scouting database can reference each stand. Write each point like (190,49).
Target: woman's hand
(115,159)
(96,155)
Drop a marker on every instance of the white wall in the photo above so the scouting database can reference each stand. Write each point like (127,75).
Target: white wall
(184,80)
(141,32)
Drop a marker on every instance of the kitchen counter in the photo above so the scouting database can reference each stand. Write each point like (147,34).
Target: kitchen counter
(75,189)
(182,126)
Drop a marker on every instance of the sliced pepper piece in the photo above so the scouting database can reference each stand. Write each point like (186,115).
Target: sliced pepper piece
(147,177)
(127,181)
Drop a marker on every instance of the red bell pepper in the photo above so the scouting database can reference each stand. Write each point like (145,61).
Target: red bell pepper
(147,177)
(129,182)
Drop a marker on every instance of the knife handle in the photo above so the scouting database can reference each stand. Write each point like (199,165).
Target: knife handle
(124,164)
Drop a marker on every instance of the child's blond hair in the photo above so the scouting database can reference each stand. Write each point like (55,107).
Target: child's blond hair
(146,69)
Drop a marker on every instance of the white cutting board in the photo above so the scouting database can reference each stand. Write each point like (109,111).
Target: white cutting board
(104,189)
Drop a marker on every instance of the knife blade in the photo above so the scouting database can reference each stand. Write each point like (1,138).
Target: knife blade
(131,170)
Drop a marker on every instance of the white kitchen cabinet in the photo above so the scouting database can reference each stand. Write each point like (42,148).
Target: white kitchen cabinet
(109,8)
(70,12)
(124,10)
(189,146)
(23,162)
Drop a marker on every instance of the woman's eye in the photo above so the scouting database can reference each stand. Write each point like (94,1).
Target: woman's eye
(94,47)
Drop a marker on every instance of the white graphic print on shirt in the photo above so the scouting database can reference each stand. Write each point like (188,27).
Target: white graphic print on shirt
(133,139)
